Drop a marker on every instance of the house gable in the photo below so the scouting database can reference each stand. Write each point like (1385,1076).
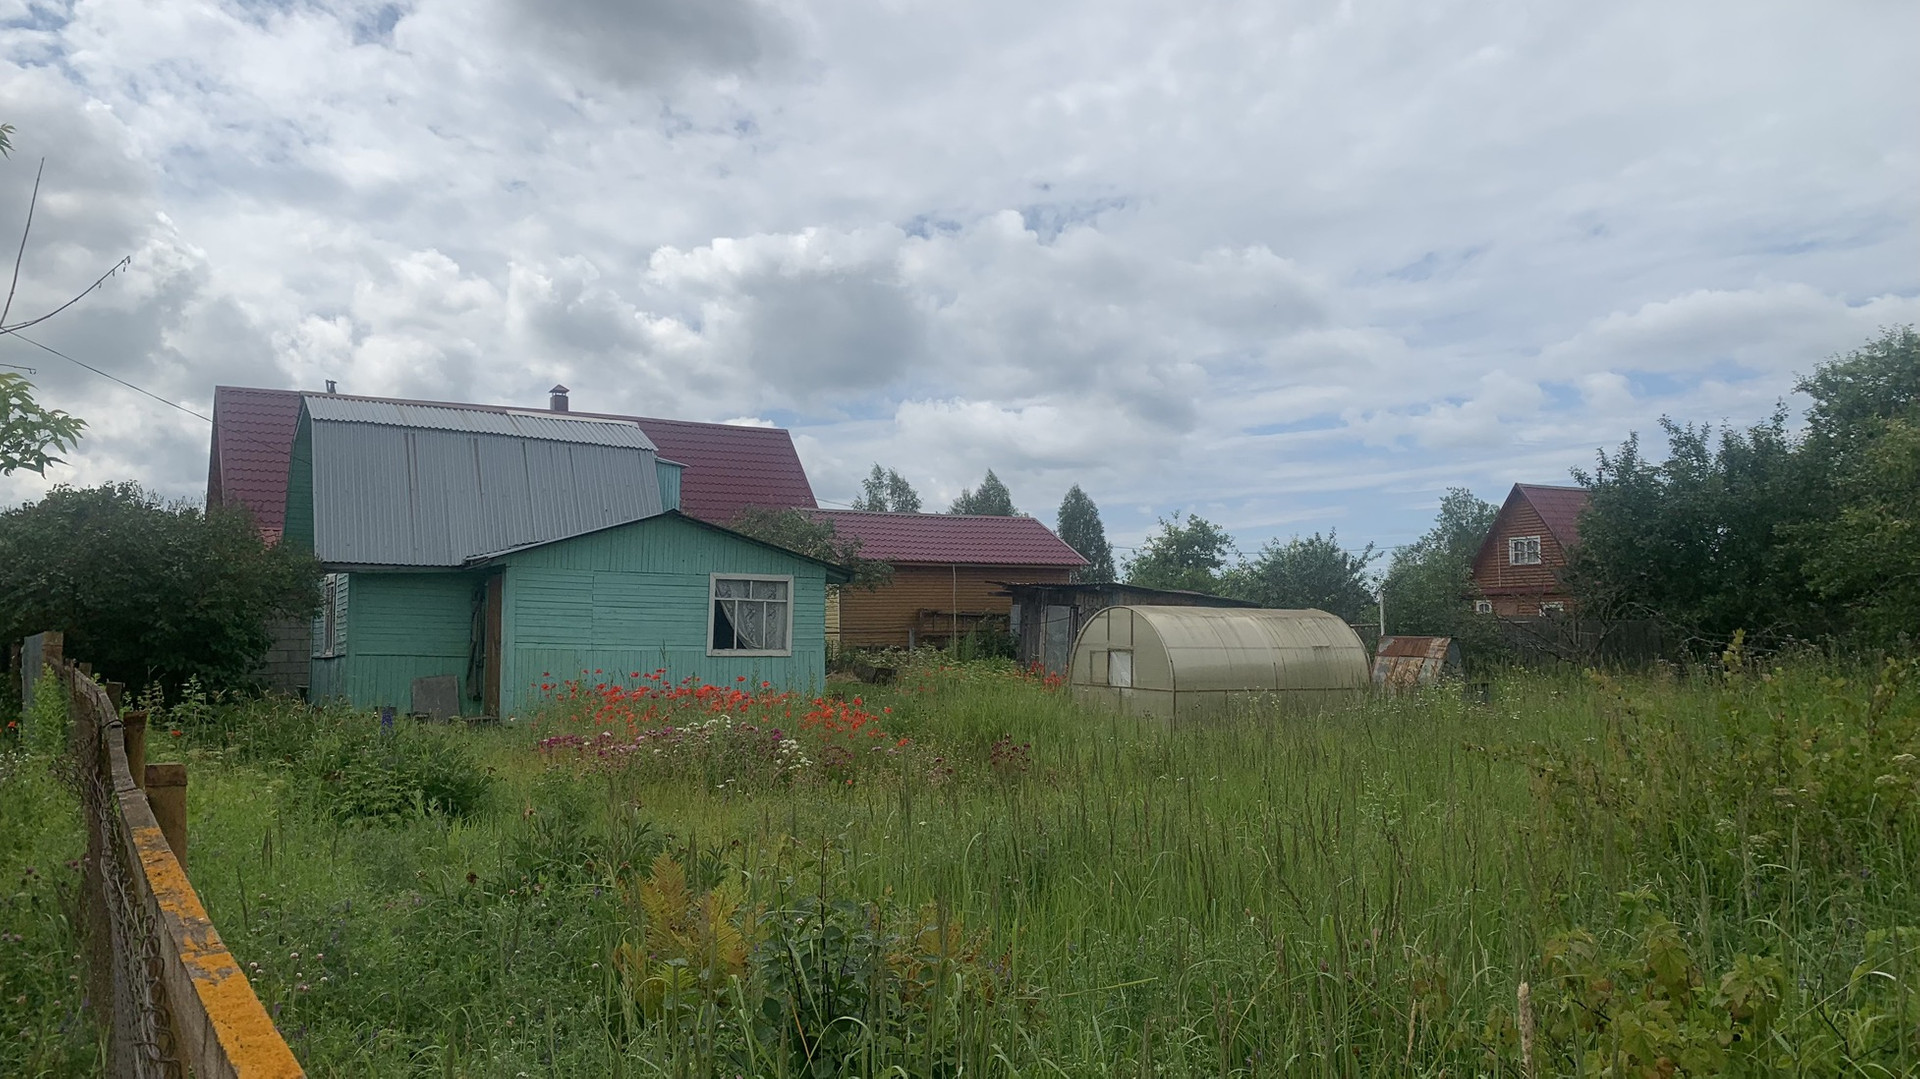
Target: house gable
(375,483)
(1520,587)
(721,468)
(637,597)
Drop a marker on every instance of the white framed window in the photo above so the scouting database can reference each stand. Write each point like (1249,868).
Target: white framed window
(330,623)
(1553,607)
(750,614)
(1482,606)
(1523,550)
(1120,670)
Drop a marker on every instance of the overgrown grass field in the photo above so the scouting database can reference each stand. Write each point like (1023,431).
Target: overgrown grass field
(965,873)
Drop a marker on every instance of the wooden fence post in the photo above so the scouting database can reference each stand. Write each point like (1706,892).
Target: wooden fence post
(133,735)
(167,794)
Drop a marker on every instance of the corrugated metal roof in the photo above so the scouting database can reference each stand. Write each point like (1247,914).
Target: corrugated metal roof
(953,539)
(1405,662)
(550,426)
(387,495)
(1128,593)
(727,467)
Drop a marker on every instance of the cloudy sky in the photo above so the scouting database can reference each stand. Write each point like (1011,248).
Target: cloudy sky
(1291,266)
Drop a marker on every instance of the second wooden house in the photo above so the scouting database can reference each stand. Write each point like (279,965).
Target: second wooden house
(946,573)
(1518,572)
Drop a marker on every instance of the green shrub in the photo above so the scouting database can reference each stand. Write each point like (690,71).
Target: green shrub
(45,724)
(360,771)
(244,728)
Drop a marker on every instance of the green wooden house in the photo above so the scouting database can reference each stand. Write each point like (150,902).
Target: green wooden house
(474,556)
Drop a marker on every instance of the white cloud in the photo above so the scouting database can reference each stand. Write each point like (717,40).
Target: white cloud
(1294,266)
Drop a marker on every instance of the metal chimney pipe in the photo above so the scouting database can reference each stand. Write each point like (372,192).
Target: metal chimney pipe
(558,401)
(332,386)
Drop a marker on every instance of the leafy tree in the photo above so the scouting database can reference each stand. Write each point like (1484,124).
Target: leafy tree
(900,494)
(1428,581)
(1756,530)
(992,499)
(1866,557)
(887,491)
(1859,536)
(1856,395)
(1079,526)
(1696,541)
(804,533)
(1187,553)
(30,434)
(1312,572)
(149,591)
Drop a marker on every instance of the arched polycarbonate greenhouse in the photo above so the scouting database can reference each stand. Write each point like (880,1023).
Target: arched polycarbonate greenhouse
(1188,662)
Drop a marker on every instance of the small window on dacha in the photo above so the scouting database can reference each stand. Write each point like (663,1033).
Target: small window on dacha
(1482,606)
(752,615)
(330,622)
(1523,551)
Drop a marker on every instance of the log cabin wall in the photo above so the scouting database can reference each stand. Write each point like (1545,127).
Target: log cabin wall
(926,604)
(1519,591)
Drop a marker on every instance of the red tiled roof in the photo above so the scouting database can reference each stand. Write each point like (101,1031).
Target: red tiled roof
(728,467)
(252,438)
(1559,507)
(953,539)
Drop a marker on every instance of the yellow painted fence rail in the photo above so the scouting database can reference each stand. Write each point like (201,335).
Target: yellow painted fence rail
(172,999)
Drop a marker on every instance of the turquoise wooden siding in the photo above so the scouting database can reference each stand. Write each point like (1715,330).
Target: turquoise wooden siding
(400,626)
(297,528)
(634,598)
(669,473)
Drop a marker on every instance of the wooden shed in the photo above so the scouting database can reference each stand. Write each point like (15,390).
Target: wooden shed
(1182,663)
(1402,663)
(946,573)
(1047,617)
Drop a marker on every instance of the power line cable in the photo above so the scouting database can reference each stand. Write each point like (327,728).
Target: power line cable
(103,374)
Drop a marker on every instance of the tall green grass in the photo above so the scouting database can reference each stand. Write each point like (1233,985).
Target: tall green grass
(1702,877)
(45,1029)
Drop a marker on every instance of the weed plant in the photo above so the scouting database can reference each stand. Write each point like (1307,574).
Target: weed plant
(1688,876)
(44,1027)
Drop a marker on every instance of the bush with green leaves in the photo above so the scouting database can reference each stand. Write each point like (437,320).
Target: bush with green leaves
(149,590)
(364,771)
